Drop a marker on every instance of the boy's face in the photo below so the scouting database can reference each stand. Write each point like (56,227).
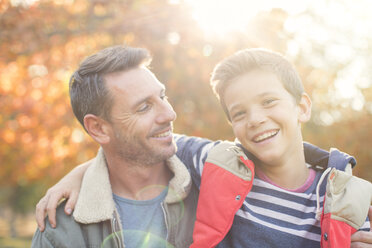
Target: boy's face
(265,117)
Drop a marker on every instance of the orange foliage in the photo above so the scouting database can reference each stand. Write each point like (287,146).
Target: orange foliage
(41,44)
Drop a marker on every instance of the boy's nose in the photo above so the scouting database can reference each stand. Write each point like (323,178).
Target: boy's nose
(255,118)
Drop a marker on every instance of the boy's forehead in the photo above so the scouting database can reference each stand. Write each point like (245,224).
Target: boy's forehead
(254,84)
(258,79)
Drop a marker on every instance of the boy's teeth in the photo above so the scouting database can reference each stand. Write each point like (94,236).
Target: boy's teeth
(265,136)
(162,134)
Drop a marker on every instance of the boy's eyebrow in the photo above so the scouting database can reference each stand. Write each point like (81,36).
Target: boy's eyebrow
(266,93)
(263,94)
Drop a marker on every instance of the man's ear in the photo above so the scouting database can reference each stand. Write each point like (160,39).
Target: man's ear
(304,108)
(98,128)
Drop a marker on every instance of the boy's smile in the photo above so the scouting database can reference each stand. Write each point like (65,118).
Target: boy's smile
(265,117)
(265,136)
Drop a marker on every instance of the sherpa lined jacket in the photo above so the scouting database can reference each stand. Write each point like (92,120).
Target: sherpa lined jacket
(96,222)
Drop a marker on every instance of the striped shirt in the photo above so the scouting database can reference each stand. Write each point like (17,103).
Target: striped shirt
(270,216)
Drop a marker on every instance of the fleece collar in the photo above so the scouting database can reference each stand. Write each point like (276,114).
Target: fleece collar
(95,203)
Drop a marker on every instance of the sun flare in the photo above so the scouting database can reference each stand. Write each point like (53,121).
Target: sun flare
(224,16)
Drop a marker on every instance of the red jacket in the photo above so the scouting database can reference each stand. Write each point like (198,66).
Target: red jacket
(227,179)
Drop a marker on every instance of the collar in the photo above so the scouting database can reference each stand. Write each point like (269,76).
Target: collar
(95,203)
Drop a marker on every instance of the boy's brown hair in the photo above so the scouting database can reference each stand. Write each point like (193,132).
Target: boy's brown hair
(247,60)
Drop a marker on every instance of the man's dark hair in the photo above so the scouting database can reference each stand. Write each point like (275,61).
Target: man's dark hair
(88,91)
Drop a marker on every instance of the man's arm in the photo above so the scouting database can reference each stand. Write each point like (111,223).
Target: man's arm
(68,187)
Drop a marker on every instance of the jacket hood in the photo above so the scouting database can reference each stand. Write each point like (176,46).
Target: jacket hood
(95,203)
(322,159)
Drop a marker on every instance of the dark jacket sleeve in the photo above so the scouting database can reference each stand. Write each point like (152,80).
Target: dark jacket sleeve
(193,151)
(40,240)
(67,234)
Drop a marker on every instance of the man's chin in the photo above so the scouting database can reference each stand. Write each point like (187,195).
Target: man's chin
(170,151)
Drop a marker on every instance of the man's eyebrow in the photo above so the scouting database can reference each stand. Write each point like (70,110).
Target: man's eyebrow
(140,101)
(146,98)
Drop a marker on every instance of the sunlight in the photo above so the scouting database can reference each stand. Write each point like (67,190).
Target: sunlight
(223,16)
(23,3)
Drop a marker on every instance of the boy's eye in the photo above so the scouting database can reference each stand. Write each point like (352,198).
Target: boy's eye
(268,101)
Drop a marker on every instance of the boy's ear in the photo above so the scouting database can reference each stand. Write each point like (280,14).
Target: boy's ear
(97,128)
(304,108)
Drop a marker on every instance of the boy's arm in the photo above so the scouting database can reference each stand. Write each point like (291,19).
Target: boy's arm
(363,238)
(345,209)
(67,187)
(193,152)
(190,149)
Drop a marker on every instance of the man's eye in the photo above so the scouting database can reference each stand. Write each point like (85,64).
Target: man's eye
(144,108)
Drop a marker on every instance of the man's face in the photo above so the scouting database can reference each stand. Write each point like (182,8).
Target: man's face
(141,117)
(265,117)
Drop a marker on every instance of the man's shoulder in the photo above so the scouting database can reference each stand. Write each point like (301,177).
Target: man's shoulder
(68,232)
(66,224)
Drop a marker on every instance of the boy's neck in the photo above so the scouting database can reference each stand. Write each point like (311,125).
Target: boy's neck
(289,175)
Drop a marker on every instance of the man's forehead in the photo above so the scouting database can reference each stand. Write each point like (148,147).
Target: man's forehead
(135,86)
(140,77)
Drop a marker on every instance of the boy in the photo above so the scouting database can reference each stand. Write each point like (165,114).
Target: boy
(264,100)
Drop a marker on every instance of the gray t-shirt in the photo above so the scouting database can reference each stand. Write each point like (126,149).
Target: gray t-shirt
(143,221)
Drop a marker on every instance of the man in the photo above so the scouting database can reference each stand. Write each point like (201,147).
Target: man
(192,152)
(123,107)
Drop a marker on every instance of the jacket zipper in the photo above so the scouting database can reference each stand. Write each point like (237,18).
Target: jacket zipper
(165,219)
(118,239)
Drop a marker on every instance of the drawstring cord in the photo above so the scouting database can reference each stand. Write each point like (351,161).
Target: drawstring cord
(318,212)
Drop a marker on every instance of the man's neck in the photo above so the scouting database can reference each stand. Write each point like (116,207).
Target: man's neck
(136,181)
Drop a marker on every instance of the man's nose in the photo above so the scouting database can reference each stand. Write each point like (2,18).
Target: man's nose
(166,113)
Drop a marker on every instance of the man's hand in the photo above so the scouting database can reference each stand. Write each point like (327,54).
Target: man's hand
(362,239)
(68,187)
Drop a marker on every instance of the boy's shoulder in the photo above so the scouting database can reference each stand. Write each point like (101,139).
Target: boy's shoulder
(321,159)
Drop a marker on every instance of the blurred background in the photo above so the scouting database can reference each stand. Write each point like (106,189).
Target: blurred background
(43,41)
